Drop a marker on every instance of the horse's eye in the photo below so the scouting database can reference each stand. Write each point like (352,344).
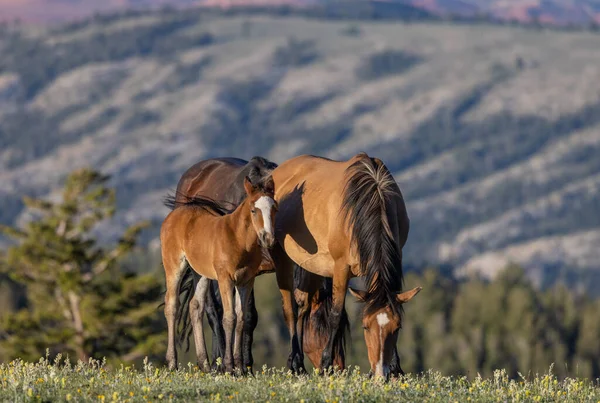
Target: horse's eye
(366,327)
(253,211)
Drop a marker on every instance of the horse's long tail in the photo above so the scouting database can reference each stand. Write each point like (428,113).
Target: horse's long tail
(187,288)
(179,199)
(369,185)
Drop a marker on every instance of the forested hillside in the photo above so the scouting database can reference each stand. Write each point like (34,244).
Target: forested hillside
(493,133)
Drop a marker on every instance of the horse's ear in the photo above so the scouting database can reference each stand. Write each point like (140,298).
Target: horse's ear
(406,296)
(359,294)
(248,186)
(269,185)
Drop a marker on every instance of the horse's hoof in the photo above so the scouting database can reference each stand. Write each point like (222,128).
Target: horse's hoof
(298,368)
(296,364)
(327,363)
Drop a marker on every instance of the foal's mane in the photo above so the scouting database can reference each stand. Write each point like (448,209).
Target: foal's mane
(366,193)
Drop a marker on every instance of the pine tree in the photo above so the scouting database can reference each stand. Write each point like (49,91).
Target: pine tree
(78,301)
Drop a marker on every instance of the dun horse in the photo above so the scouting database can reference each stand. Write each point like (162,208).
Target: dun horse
(218,246)
(341,220)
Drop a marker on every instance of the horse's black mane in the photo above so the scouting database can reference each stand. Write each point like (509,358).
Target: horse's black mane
(319,320)
(263,163)
(364,208)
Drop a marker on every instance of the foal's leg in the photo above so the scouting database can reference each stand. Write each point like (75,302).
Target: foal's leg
(197,305)
(227,297)
(241,308)
(285,280)
(341,275)
(173,271)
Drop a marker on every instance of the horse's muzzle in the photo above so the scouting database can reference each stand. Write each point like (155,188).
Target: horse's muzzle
(266,240)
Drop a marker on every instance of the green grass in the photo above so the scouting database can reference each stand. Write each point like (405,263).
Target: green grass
(93,381)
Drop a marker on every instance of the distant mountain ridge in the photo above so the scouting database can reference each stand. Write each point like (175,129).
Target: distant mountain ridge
(492,132)
(553,12)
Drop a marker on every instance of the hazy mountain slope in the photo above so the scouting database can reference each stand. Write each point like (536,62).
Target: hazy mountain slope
(492,133)
(560,12)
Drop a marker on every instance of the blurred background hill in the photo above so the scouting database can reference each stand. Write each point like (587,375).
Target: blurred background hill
(491,131)
(559,12)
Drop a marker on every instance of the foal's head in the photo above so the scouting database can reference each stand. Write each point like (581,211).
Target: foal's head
(262,208)
(381,328)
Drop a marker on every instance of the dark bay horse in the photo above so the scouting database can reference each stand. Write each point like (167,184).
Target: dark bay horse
(342,220)
(199,234)
(220,179)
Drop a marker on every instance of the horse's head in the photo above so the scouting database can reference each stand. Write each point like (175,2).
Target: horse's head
(381,328)
(263,207)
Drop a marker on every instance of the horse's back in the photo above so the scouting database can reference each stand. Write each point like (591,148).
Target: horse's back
(209,178)
(316,173)
(180,237)
(221,179)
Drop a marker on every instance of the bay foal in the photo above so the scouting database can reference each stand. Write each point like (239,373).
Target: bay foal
(219,246)
(220,179)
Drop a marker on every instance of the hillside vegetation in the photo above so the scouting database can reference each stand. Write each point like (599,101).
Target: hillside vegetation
(492,132)
(63,293)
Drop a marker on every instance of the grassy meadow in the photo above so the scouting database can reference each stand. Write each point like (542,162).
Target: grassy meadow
(61,381)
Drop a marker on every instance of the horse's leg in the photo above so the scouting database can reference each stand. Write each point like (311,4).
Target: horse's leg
(241,309)
(341,275)
(214,312)
(285,280)
(303,307)
(173,270)
(250,322)
(306,295)
(395,369)
(226,288)
(197,306)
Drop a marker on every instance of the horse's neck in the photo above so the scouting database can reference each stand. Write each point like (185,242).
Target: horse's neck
(240,223)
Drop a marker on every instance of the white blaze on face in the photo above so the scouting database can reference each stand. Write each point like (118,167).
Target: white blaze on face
(265,204)
(382,320)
